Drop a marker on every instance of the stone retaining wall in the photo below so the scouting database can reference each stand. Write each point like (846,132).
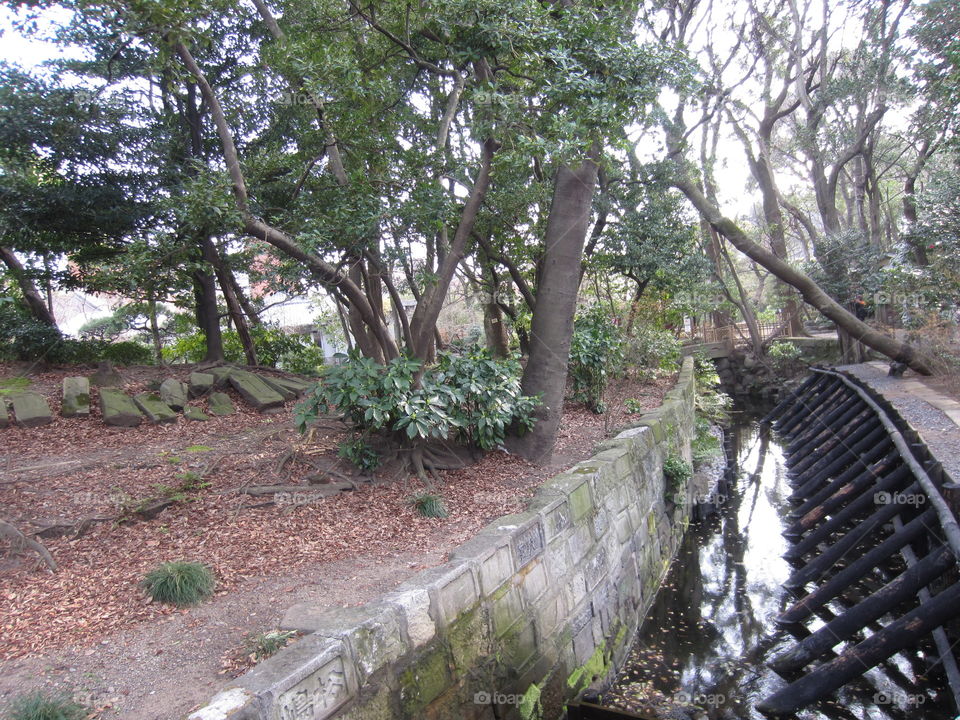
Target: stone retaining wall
(525,615)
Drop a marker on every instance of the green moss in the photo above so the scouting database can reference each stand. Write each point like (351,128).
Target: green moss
(425,681)
(198,449)
(468,637)
(596,666)
(11,385)
(530,707)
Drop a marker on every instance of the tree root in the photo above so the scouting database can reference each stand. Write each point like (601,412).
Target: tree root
(21,542)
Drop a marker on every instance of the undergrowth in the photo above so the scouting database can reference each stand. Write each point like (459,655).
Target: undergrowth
(429,505)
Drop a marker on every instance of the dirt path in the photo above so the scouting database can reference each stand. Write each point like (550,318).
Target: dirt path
(89,629)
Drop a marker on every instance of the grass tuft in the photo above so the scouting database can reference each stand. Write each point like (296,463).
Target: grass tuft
(260,647)
(180,583)
(429,505)
(39,705)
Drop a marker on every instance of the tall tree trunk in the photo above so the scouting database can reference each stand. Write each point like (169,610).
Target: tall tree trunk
(31,296)
(154,329)
(556,303)
(212,256)
(495,330)
(208,318)
(811,292)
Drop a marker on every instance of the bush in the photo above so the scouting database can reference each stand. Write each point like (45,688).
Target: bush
(293,353)
(705,444)
(360,454)
(429,505)
(467,396)
(677,472)
(41,706)
(180,583)
(128,352)
(652,351)
(595,352)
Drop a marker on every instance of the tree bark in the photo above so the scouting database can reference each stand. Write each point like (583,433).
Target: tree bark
(809,290)
(552,324)
(212,256)
(31,296)
(208,318)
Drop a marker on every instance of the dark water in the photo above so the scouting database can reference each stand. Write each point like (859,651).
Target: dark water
(711,629)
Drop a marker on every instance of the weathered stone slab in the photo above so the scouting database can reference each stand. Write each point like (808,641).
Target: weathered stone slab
(194,413)
(272,383)
(174,394)
(220,404)
(201,383)
(4,417)
(30,409)
(294,385)
(255,391)
(221,375)
(76,397)
(119,409)
(156,410)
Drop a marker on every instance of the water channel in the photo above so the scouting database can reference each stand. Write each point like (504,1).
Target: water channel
(712,627)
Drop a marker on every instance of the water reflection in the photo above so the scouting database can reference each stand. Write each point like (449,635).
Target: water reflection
(711,629)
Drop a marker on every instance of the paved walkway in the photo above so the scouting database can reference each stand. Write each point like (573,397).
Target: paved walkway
(934,416)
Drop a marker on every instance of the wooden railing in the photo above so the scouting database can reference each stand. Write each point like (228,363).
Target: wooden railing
(738,333)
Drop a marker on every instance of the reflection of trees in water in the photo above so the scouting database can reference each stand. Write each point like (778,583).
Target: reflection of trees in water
(705,633)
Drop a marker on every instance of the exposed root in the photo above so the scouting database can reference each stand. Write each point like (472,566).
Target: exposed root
(21,542)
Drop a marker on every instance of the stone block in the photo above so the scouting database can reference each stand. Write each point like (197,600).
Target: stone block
(519,645)
(230,704)
(581,501)
(281,389)
(534,580)
(119,409)
(373,632)
(549,611)
(154,408)
(221,376)
(507,608)
(201,383)
(557,520)
(579,543)
(312,678)
(195,413)
(496,569)
(30,409)
(255,391)
(528,543)
(456,593)
(76,397)
(595,568)
(414,606)
(220,404)
(174,394)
